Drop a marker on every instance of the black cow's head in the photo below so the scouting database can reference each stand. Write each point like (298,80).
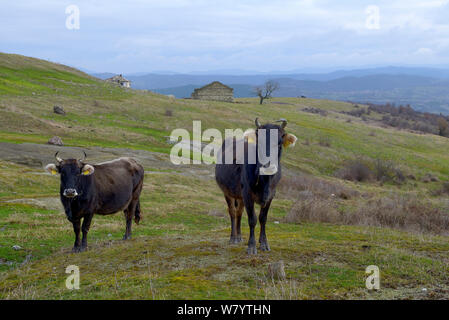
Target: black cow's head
(71,171)
(262,138)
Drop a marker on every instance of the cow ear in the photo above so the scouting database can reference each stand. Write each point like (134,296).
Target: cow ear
(87,170)
(51,168)
(289,140)
(250,135)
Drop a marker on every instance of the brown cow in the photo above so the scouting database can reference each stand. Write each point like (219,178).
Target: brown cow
(248,183)
(103,188)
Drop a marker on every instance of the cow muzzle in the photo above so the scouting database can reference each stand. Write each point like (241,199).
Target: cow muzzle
(70,193)
(268,169)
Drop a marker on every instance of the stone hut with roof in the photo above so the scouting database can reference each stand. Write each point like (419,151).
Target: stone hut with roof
(214,91)
(120,80)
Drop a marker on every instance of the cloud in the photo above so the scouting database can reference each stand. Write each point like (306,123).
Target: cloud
(424,51)
(182,35)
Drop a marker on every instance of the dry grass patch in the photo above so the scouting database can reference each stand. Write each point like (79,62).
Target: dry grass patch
(444,190)
(301,185)
(314,209)
(355,170)
(365,170)
(398,212)
(281,290)
(402,212)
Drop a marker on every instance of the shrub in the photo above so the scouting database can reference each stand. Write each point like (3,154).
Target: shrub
(324,141)
(399,176)
(355,170)
(443,127)
(428,177)
(360,170)
(399,212)
(313,209)
(446,187)
(358,112)
(444,190)
(168,113)
(321,112)
(384,170)
(404,117)
(307,186)
(402,212)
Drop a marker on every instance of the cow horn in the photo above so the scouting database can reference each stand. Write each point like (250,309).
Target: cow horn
(57,158)
(284,123)
(85,156)
(257,123)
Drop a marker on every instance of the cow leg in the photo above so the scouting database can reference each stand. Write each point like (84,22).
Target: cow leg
(137,215)
(252,221)
(136,202)
(231,210)
(263,220)
(76,229)
(129,214)
(85,228)
(239,212)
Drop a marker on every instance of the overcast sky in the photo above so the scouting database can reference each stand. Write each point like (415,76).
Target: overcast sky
(182,36)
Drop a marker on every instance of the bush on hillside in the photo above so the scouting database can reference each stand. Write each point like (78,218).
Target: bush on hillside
(398,212)
(355,170)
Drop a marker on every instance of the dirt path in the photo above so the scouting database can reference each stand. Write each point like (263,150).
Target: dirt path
(38,155)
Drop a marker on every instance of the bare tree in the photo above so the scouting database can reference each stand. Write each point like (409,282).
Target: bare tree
(443,127)
(266,91)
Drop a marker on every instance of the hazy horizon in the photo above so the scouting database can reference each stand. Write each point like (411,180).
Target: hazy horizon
(250,36)
(243,72)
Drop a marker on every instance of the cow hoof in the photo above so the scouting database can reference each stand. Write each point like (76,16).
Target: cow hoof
(126,237)
(235,240)
(251,250)
(79,249)
(265,247)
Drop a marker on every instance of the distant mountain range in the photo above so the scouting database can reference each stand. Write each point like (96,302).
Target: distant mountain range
(425,89)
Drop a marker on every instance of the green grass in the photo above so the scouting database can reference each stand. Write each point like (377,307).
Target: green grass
(136,120)
(180,249)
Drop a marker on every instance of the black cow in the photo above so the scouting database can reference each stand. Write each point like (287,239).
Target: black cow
(246,183)
(104,188)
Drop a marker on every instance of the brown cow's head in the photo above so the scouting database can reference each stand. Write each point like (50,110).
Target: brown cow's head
(263,134)
(71,171)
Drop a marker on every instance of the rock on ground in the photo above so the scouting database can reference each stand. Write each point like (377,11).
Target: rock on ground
(57,141)
(59,110)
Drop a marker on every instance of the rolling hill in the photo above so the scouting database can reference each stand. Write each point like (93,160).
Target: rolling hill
(423,93)
(425,89)
(326,229)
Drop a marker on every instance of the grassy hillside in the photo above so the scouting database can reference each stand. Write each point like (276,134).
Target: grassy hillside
(180,250)
(424,89)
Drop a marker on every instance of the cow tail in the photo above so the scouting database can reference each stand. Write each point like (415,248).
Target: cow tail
(137,213)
